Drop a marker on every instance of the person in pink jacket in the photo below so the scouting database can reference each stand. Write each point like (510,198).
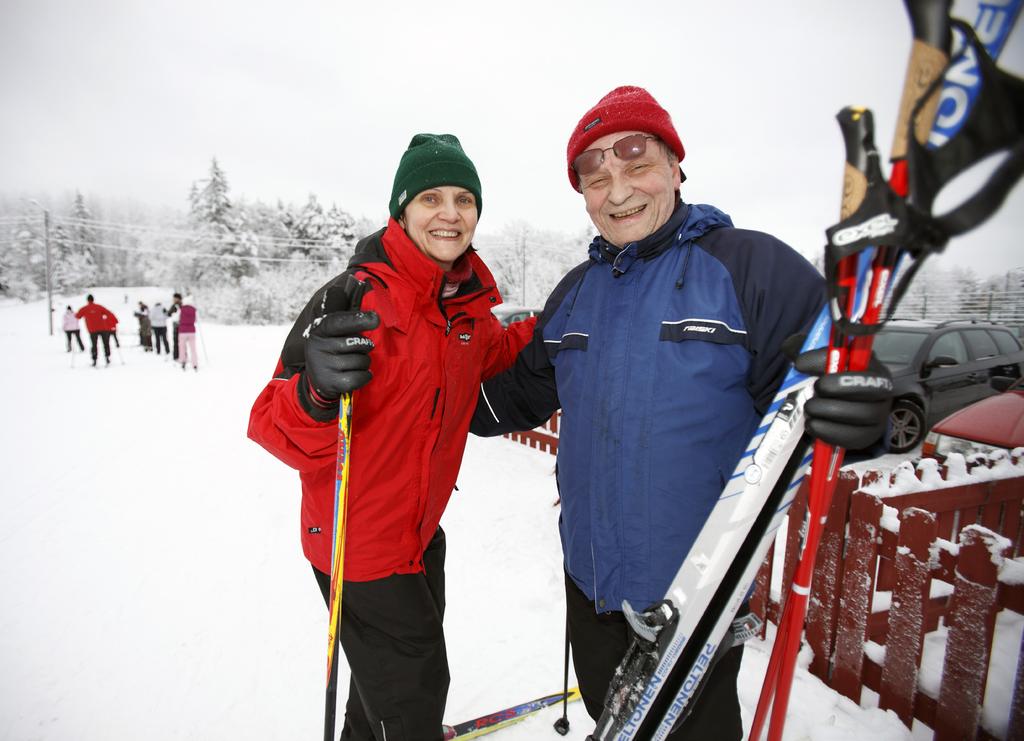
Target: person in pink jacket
(187,335)
(71,329)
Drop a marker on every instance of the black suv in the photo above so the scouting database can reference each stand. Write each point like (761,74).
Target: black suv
(938,368)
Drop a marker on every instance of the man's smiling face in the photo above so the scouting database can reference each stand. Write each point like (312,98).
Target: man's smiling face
(629,200)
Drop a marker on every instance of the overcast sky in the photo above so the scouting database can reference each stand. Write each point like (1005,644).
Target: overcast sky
(132,99)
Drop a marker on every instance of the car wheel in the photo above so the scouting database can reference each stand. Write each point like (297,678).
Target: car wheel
(906,426)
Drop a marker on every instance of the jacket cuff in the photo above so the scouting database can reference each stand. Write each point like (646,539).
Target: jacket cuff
(319,409)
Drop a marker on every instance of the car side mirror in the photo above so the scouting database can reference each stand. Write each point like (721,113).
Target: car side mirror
(940,361)
(1001,383)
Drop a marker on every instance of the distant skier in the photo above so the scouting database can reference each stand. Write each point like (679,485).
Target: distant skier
(663,351)
(145,328)
(71,329)
(187,334)
(175,308)
(158,321)
(100,323)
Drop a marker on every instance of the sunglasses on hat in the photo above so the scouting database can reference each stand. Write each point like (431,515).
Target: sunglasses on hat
(627,148)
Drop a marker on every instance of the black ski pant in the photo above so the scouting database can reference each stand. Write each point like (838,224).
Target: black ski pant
(160,335)
(393,638)
(77,334)
(175,356)
(599,642)
(105,336)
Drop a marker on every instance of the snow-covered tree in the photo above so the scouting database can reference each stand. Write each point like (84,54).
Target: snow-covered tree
(193,198)
(286,218)
(365,226)
(527,262)
(341,233)
(511,261)
(23,257)
(310,225)
(225,254)
(76,264)
(211,205)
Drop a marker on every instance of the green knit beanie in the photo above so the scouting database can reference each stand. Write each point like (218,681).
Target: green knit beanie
(432,160)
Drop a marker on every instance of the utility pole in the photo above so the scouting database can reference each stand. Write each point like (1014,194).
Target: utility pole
(49,270)
(49,263)
(522,249)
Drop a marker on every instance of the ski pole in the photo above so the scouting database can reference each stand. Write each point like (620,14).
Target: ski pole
(931,28)
(331,706)
(968,143)
(862,165)
(339,299)
(337,563)
(202,342)
(562,724)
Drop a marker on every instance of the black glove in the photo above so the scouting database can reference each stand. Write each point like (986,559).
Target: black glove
(337,359)
(849,409)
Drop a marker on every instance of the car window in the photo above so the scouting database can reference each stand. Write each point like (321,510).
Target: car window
(980,344)
(1006,342)
(949,344)
(893,347)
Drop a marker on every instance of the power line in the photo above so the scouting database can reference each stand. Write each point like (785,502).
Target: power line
(193,254)
(171,233)
(330,244)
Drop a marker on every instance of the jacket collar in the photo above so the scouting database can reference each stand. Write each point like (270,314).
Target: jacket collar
(414,280)
(688,221)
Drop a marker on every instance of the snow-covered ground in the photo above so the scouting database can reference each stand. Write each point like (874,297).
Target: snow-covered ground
(151,580)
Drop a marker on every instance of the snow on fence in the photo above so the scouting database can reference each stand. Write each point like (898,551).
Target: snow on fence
(914,567)
(905,557)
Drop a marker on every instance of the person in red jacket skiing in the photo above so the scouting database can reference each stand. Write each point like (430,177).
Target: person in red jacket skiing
(427,317)
(100,323)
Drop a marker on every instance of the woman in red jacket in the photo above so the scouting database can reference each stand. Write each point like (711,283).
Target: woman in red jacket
(427,317)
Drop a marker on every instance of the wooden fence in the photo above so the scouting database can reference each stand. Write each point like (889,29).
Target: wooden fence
(544,438)
(878,588)
(889,567)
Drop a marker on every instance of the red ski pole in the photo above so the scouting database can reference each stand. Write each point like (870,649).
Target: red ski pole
(930,23)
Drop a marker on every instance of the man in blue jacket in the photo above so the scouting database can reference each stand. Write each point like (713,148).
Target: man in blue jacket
(663,351)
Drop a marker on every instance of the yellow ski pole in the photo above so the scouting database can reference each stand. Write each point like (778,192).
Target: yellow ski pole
(354,290)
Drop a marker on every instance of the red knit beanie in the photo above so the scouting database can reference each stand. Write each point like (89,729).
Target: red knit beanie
(626,108)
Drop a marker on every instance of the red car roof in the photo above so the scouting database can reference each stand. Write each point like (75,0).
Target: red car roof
(997,420)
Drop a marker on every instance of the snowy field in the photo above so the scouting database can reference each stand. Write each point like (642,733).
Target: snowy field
(151,580)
